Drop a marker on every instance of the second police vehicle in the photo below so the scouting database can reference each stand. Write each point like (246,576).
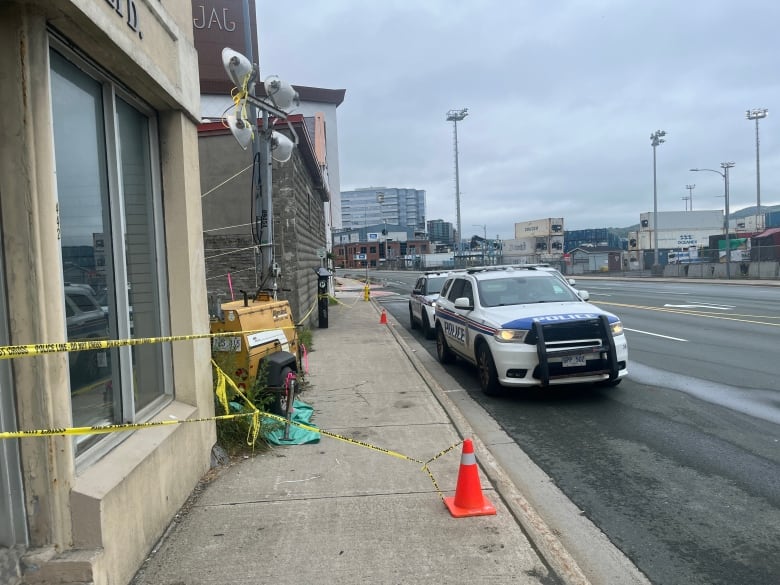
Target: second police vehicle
(524,327)
(422,302)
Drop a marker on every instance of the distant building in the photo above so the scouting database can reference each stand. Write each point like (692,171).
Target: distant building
(378,246)
(441,232)
(404,207)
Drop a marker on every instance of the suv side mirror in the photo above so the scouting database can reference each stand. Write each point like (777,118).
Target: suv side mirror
(463,303)
(584,295)
(416,291)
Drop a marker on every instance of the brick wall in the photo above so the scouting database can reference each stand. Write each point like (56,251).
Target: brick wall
(299,231)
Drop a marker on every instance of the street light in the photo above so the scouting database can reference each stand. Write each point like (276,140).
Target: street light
(756,115)
(656,138)
(725,174)
(456,116)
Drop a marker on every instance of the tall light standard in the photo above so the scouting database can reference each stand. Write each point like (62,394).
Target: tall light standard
(690,194)
(725,174)
(456,116)
(656,138)
(757,114)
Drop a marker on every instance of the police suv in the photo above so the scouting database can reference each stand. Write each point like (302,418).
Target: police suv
(524,326)
(422,302)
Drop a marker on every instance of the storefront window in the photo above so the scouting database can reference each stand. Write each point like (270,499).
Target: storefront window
(111,241)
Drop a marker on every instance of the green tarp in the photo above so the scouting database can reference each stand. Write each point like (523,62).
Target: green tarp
(302,413)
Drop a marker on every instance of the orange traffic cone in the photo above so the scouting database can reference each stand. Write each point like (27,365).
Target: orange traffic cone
(383,318)
(468,500)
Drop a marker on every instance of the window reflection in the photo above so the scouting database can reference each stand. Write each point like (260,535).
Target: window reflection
(109,243)
(82,190)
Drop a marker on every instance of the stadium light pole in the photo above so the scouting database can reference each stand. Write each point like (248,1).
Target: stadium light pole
(756,114)
(456,116)
(656,138)
(725,174)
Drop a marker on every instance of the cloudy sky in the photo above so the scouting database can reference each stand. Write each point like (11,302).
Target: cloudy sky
(563,96)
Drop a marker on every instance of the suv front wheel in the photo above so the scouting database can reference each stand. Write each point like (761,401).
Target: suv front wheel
(488,377)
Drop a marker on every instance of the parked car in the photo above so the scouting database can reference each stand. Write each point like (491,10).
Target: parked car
(523,326)
(422,302)
(86,321)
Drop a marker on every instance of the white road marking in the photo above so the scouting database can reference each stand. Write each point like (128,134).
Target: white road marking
(655,334)
(718,307)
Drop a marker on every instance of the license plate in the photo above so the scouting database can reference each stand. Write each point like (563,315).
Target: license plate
(572,361)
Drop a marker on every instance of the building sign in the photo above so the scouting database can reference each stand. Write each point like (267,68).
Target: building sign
(360,256)
(685,240)
(373,237)
(218,24)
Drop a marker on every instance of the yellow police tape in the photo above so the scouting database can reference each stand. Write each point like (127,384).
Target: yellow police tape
(16,351)
(223,380)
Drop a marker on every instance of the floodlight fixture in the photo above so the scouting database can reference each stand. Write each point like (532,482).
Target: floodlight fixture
(756,113)
(281,93)
(281,147)
(457,115)
(241,130)
(237,66)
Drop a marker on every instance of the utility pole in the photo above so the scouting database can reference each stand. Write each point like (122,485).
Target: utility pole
(690,194)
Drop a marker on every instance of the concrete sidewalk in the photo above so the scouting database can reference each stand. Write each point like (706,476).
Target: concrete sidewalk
(342,512)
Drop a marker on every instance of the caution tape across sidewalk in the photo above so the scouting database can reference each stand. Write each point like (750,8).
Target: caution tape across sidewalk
(223,381)
(17,351)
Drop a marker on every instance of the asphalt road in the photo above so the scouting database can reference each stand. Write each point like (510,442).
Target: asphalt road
(680,465)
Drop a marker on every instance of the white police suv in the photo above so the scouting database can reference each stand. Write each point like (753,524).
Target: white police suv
(524,326)
(422,302)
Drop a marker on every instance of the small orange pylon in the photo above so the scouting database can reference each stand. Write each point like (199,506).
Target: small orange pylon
(383,318)
(468,499)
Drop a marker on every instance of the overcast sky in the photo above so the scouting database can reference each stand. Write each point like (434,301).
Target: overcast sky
(562,95)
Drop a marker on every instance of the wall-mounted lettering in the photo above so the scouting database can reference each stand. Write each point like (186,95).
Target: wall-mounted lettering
(215,20)
(132,13)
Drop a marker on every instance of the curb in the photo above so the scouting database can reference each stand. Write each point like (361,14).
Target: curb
(541,536)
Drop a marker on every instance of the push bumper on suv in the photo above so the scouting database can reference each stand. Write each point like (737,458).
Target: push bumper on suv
(565,353)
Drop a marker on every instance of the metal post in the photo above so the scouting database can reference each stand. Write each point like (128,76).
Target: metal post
(756,115)
(656,138)
(690,194)
(455,116)
(725,174)
(726,166)
(256,152)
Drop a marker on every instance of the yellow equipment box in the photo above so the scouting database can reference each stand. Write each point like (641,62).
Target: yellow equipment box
(265,339)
